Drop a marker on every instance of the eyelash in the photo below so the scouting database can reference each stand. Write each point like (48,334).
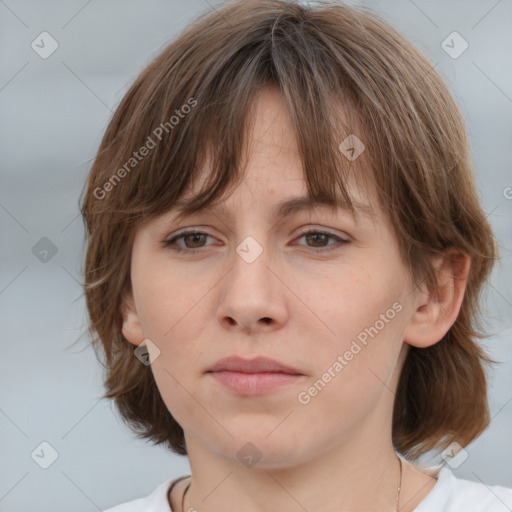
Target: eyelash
(171,243)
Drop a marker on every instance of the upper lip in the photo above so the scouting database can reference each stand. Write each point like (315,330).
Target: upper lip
(256,365)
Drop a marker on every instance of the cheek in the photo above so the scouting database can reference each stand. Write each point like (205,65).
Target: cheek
(354,305)
(178,392)
(172,316)
(352,378)
(168,303)
(356,359)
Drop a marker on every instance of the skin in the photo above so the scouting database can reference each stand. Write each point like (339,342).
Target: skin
(302,307)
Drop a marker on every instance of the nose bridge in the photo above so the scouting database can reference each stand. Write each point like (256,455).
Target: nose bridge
(250,265)
(253,238)
(250,296)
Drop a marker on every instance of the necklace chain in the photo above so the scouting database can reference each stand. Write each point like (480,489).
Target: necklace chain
(399,485)
(397,492)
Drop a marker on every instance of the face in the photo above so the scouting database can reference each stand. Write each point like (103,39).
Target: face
(333,304)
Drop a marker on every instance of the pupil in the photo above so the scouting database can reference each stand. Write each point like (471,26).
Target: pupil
(316,235)
(194,237)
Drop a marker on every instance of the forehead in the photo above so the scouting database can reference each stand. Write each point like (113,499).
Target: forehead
(273,165)
(271,177)
(278,204)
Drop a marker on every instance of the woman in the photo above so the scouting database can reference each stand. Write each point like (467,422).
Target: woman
(285,257)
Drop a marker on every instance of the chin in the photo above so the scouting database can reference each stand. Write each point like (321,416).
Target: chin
(255,447)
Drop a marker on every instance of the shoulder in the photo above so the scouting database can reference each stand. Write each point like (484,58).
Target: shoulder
(452,494)
(157,501)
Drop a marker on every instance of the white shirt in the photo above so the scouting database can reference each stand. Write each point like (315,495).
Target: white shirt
(450,494)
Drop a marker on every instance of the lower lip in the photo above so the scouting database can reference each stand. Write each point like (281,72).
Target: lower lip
(254,383)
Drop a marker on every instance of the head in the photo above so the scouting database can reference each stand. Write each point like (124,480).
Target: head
(326,103)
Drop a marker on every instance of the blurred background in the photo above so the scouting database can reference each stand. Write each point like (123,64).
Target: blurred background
(65,67)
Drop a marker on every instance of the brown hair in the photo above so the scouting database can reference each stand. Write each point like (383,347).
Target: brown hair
(193,102)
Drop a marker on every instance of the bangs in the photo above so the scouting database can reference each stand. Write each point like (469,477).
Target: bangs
(211,139)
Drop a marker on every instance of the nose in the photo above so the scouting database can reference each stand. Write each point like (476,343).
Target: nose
(252,297)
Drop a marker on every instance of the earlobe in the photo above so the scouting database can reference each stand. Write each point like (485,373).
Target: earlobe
(436,313)
(132,329)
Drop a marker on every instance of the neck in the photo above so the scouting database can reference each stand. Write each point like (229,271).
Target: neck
(352,476)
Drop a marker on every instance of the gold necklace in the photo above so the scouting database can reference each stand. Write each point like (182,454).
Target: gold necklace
(397,492)
(399,485)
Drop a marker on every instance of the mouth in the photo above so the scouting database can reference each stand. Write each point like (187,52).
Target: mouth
(256,365)
(253,377)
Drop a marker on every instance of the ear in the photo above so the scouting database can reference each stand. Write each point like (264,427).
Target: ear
(435,314)
(132,329)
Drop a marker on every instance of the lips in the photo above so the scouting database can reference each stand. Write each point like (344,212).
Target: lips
(256,365)
(253,377)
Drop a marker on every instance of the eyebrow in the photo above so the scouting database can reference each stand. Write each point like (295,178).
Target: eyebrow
(283,209)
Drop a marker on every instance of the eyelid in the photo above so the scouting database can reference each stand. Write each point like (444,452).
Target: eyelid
(321,229)
(343,240)
(170,242)
(180,235)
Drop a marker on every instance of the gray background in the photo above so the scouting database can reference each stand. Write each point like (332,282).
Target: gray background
(54,112)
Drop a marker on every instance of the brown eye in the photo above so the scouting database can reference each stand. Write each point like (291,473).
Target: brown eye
(317,238)
(196,240)
(320,240)
(192,239)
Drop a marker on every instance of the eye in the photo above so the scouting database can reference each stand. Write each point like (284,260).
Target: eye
(320,238)
(195,239)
